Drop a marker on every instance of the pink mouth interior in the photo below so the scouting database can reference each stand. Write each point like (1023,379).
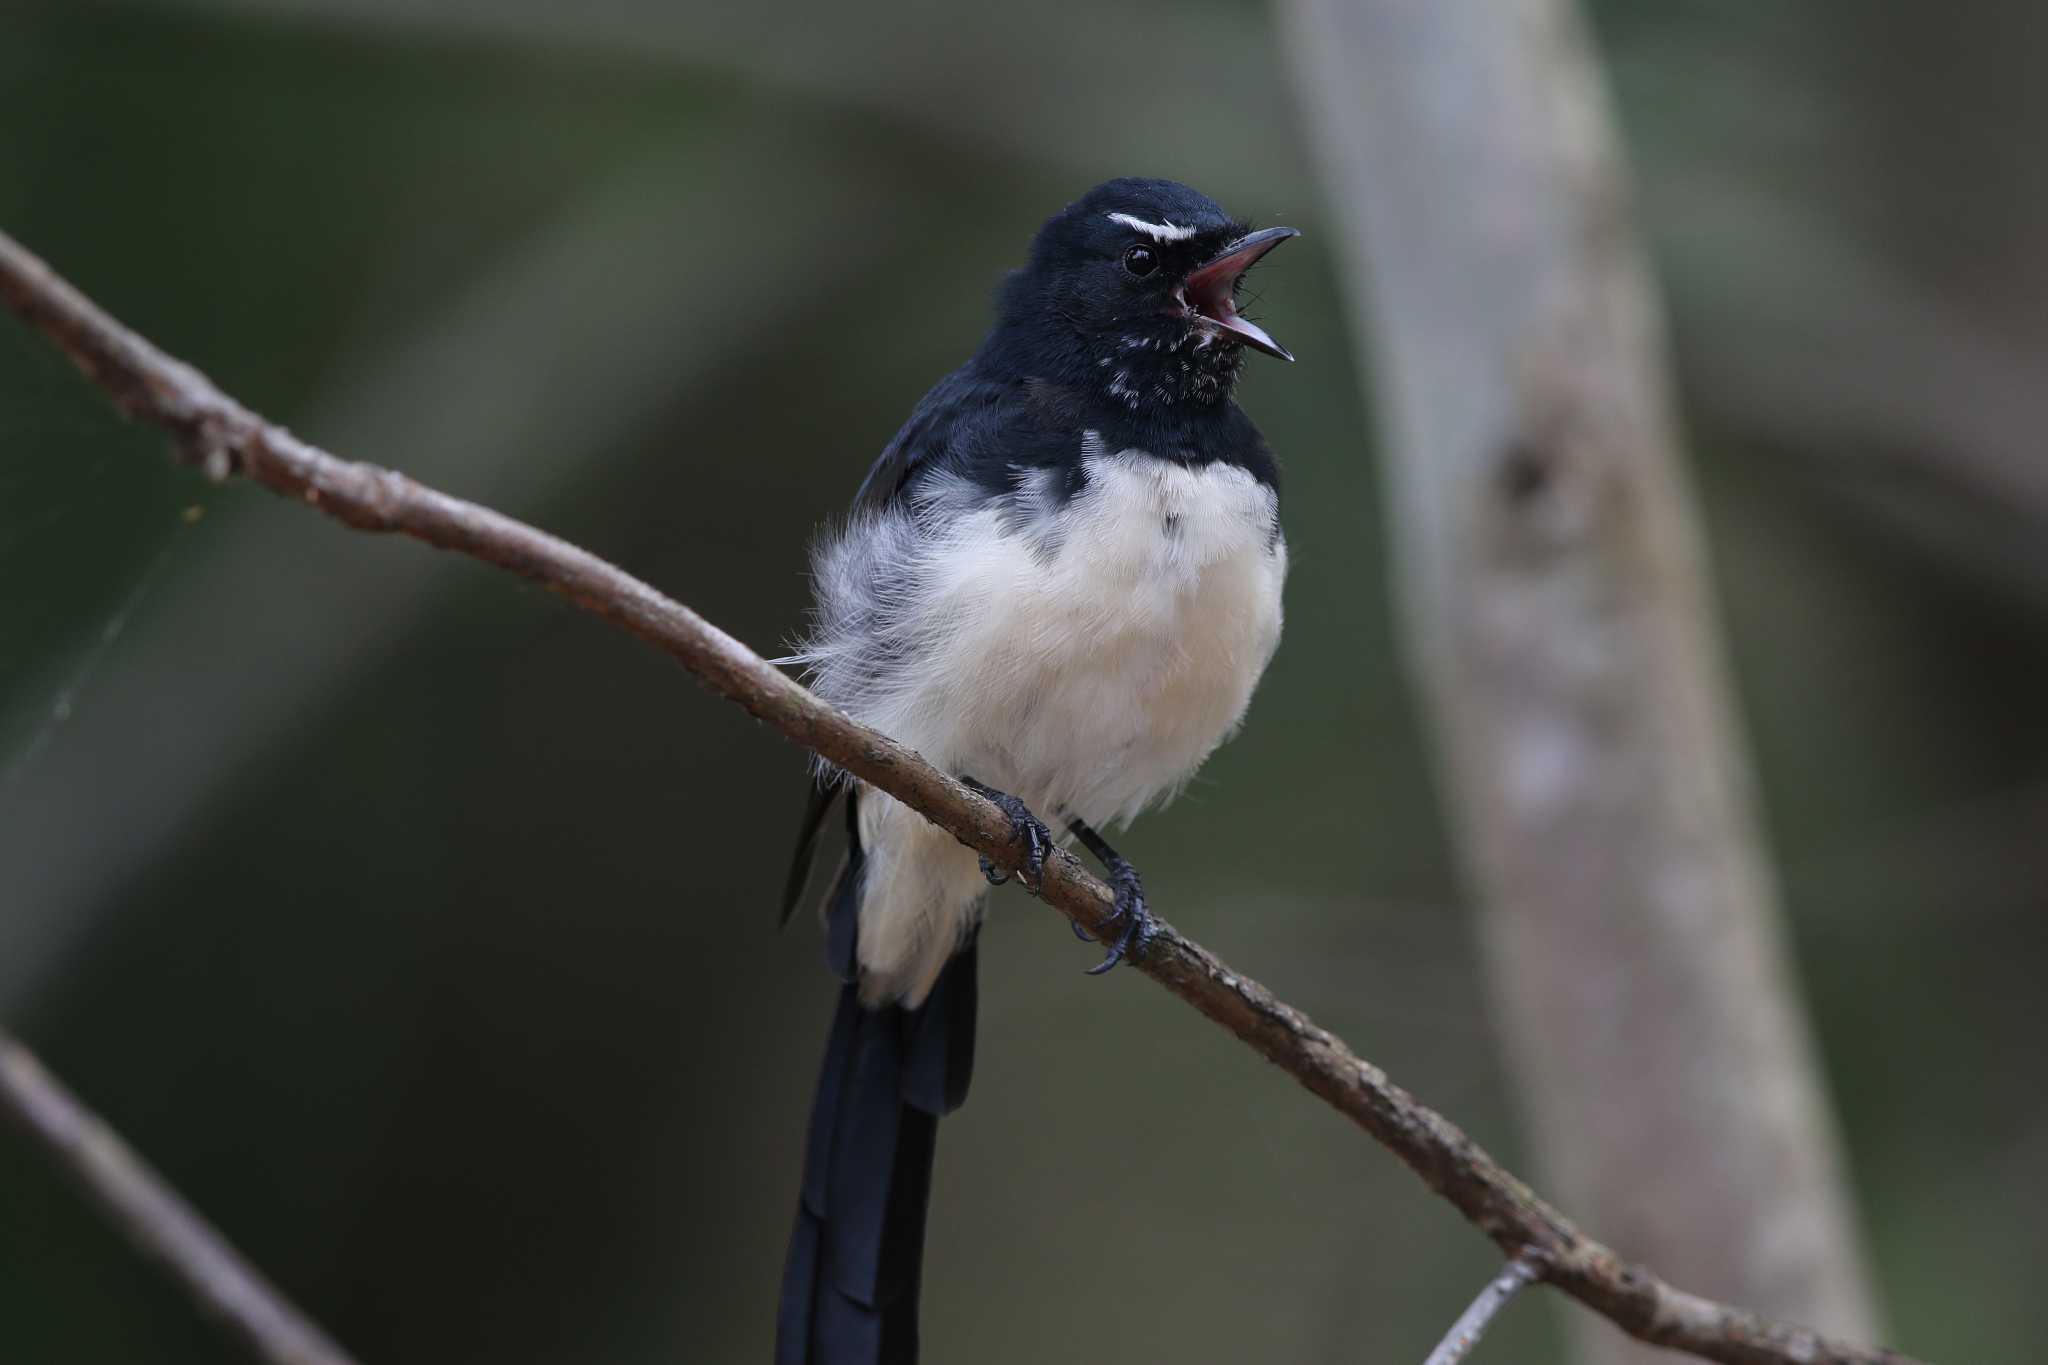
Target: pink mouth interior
(1210,289)
(1210,295)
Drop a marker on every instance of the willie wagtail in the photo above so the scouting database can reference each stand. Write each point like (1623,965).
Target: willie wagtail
(1061,580)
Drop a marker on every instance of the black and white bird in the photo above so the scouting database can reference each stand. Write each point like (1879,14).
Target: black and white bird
(1061,581)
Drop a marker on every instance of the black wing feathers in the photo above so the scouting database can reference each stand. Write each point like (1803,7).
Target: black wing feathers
(817,809)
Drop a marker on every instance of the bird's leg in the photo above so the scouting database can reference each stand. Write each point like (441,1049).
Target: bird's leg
(1134,922)
(1025,826)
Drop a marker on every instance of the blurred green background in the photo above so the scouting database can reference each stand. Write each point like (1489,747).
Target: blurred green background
(420,929)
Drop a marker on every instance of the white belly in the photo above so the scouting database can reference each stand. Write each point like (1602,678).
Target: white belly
(1092,679)
(1086,661)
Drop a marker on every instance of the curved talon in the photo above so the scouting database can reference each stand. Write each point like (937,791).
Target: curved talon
(1038,843)
(1023,825)
(1079,932)
(1138,926)
(1032,874)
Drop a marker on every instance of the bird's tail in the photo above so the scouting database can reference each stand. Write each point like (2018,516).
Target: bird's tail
(849,1289)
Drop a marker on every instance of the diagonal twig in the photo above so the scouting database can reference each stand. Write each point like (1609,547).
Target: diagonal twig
(153,1216)
(1517,1275)
(224,438)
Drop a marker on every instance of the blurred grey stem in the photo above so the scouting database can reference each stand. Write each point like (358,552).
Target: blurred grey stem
(1561,626)
(1517,1275)
(153,1216)
(214,432)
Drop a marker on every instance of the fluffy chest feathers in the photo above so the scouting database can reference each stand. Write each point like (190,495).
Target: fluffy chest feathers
(1084,652)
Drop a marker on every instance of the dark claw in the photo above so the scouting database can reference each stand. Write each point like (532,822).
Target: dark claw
(1024,825)
(1138,928)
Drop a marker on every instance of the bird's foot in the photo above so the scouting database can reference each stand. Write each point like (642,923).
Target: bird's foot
(1131,922)
(1027,829)
(1131,925)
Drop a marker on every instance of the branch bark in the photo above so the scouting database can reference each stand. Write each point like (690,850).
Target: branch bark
(1562,629)
(213,431)
(152,1216)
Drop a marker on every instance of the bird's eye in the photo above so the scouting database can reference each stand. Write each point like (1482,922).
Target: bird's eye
(1141,260)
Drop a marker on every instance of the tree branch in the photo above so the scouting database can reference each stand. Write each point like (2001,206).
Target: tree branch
(1471,1325)
(212,430)
(154,1218)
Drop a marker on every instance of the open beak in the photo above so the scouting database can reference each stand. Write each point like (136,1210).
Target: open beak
(1210,291)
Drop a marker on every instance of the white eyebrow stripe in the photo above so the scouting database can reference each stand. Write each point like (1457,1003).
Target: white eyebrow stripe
(1158,232)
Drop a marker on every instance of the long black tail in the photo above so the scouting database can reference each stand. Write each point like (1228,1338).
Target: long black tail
(849,1289)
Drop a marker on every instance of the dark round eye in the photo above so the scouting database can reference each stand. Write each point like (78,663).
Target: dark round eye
(1141,260)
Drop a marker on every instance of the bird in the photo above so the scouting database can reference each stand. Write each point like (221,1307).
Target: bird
(1061,582)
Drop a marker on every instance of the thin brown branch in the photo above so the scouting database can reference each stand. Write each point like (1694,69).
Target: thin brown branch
(224,438)
(1517,1275)
(153,1217)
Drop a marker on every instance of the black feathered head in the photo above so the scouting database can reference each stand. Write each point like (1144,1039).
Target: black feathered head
(1132,290)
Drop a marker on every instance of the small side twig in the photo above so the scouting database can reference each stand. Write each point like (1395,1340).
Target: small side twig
(215,432)
(1517,1275)
(153,1216)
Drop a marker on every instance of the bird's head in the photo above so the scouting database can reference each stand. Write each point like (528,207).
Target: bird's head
(1132,290)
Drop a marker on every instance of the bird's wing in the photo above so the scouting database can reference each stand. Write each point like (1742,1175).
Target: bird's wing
(949,424)
(817,809)
(938,426)
(973,424)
